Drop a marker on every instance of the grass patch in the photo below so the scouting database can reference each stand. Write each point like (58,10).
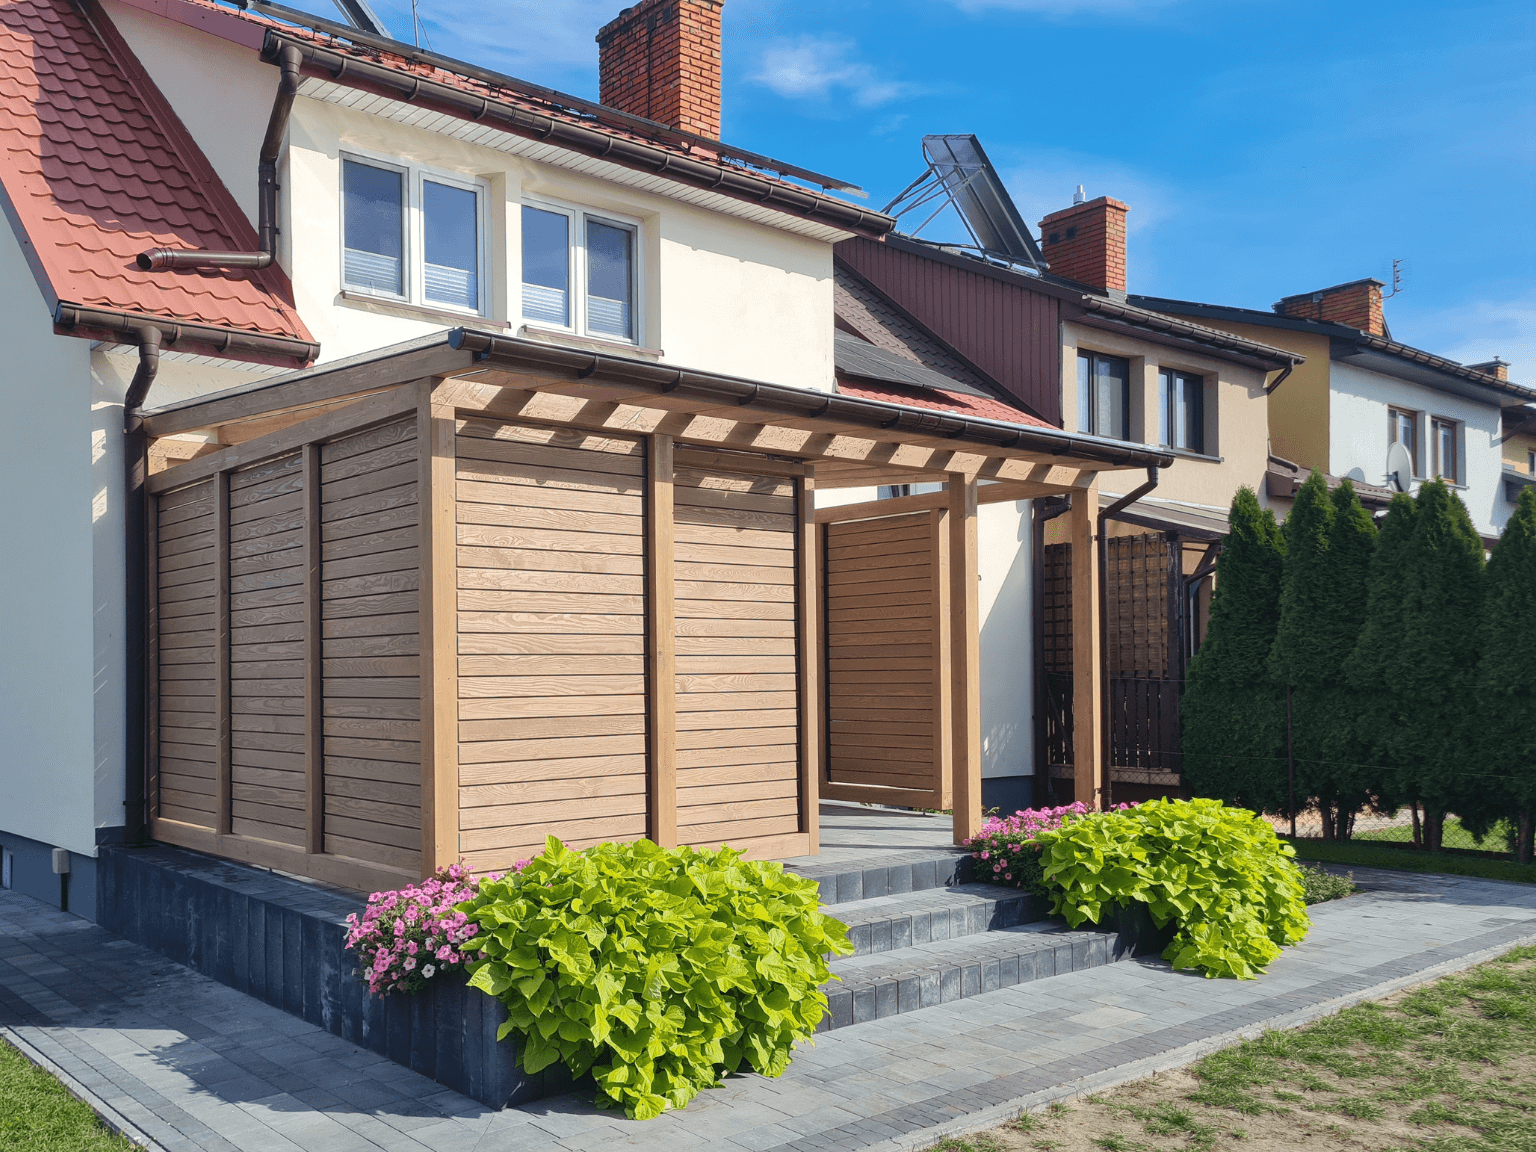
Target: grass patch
(1447,1067)
(1363,854)
(38,1114)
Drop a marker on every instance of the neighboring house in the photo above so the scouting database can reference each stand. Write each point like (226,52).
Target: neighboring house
(533,545)
(1073,353)
(1360,392)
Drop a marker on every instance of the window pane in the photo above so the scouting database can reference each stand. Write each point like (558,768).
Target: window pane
(1188,417)
(1084,393)
(1112,379)
(451,238)
(1164,405)
(546,267)
(374,241)
(610,279)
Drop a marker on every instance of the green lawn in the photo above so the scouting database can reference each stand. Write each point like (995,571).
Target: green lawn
(1364,854)
(37,1113)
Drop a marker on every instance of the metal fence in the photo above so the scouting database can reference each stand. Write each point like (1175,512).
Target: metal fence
(1403,828)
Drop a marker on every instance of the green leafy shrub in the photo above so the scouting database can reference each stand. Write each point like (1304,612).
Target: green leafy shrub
(659,970)
(1220,873)
(1320,885)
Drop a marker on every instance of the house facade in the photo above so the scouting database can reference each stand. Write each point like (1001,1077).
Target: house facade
(311,617)
(1360,392)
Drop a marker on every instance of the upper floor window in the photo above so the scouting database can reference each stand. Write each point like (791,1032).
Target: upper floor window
(579,272)
(1403,428)
(1445,438)
(412,235)
(1104,395)
(1181,409)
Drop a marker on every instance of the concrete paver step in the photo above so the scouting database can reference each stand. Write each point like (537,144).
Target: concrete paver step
(876,985)
(886,923)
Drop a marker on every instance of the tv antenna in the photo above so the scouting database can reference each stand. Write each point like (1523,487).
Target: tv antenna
(1397,279)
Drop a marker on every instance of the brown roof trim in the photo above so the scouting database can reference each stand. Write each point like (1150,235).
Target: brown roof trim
(728,180)
(1181,334)
(1440,364)
(179,335)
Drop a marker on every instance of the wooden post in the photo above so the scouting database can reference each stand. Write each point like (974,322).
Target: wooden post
(812,722)
(314,678)
(1087,756)
(152,665)
(965,643)
(439,667)
(222,771)
(661,662)
(943,655)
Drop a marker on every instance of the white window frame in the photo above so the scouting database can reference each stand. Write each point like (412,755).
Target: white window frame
(413,245)
(578,215)
(1457,446)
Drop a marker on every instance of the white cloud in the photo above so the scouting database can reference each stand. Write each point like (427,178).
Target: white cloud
(822,68)
(1473,332)
(532,39)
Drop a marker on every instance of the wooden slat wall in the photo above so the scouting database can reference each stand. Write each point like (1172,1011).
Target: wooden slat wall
(185,585)
(882,653)
(266,650)
(370,576)
(738,756)
(552,639)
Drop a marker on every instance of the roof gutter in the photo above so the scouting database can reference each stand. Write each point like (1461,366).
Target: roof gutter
(223,341)
(413,88)
(160,259)
(1106,514)
(801,403)
(1195,333)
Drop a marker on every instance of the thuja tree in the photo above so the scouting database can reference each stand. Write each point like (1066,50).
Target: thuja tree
(1328,546)
(1505,763)
(1233,717)
(1425,665)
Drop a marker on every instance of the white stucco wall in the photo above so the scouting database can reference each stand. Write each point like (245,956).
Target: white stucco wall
(47,776)
(1358,401)
(1004,597)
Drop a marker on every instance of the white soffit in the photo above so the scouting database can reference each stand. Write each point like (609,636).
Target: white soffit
(489,137)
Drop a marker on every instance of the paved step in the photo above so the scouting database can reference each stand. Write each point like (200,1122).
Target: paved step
(887,923)
(880,984)
(870,875)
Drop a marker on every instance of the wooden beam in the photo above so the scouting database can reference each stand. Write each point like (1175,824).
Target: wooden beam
(436,434)
(1086,685)
(726,461)
(661,660)
(314,665)
(870,509)
(222,769)
(943,657)
(809,646)
(965,642)
(354,417)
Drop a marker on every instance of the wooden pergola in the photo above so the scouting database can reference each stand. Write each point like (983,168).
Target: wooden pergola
(438,600)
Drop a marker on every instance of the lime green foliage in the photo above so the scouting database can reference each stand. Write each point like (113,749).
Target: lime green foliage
(1233,716)
(656,969)
(37,1112)
(1220,873)
(1506,682)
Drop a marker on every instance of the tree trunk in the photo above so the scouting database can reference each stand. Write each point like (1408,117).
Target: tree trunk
(1325,810)
(1434,826)
(1418,832)
(1524,837)
(1346,823)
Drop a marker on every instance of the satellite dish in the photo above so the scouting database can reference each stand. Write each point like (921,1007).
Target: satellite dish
(1356,474)
(1399,467)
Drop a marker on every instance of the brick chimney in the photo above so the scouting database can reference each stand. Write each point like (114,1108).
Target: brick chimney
(1356,304)
(1496,367)
(661,59)
(1086,243)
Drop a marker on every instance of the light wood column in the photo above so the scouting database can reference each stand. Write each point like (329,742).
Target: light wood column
(812,716)
(661,659)
(436,433)
(943,662)
(1087,770)
(965,646)
(223,769)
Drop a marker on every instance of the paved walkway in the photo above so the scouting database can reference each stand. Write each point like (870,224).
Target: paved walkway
(173,1058)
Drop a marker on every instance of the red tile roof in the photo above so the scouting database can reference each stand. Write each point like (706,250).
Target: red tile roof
(97,168)
(941,400)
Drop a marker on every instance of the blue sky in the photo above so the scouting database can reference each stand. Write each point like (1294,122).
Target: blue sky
(1265,148)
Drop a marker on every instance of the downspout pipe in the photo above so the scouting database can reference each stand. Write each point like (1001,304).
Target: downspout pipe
(1105,515)
(1269,389)
(136,577)
(159,259)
